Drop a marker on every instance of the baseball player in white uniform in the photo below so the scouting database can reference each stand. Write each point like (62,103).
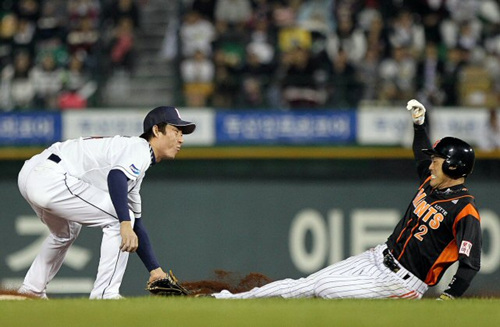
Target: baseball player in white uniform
(95,182)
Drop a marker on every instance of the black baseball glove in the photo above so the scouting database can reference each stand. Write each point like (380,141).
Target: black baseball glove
(168,286)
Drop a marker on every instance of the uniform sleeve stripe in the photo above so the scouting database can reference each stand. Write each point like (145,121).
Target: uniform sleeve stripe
(126,172)
(468,210)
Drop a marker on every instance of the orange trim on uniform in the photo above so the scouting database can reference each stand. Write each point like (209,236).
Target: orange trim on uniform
(426,180)
(402,232)
(468,210)
(447,257)
(407,241)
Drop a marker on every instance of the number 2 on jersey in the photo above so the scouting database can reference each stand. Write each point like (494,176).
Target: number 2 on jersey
(422,230)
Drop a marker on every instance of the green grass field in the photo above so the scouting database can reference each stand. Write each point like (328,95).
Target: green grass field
(155,311)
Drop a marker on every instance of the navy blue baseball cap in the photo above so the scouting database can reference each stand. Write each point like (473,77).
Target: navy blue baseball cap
(169,115)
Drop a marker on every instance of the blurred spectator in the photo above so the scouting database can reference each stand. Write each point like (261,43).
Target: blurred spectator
(429,73)
(397,75)
(262,10)
(230,44)
(122,46)
(431,13)
(48,82)
(462,28)
(83,9)
(367,74)
(70,99)
(344,87)
(197,74)
(8,27)
(348,38)
(453,66)
(256,74)
(407,32)
(375,31)
(490,140)
(299,81)
(51,24)
(226,82)
(196,33)
(262,41)
(492,61)
(83,37)
(293,36)
(57,48)
(24,37)
(119,9)
(78,85)
(17,88)
(317,15)
(233,12)
(468,37)
(27,9)
(205,7)
(284,13)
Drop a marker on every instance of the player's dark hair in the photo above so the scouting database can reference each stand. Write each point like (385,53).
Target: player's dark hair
(162,127)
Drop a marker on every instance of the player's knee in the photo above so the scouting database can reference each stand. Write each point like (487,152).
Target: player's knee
(62,240)
(68,236)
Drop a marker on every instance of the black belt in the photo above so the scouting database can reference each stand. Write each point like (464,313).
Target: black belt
(390,262)
(54,157)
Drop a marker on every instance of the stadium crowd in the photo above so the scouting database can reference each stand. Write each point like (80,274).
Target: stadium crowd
(53,52)
(260,53)
(337,53)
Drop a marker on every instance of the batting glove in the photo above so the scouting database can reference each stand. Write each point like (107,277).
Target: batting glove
(417,111)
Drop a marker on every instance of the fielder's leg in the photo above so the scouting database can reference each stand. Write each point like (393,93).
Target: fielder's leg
(112,264)
(51,256)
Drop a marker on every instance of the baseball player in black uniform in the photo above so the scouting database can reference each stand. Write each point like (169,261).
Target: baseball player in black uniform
(440,226)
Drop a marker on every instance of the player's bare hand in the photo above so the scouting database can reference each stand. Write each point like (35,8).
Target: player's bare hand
(156,274)
(417,111)
(130,242)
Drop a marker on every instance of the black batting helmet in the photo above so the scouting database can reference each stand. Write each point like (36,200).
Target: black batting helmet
(459,156)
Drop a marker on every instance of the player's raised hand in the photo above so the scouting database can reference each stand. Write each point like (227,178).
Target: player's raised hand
(130,241)
(417,111)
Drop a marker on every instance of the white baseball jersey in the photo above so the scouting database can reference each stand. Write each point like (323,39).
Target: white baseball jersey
(362,276)
(70,191)
(91,159)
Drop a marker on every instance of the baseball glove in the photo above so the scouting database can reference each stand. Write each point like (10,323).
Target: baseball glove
(168,286)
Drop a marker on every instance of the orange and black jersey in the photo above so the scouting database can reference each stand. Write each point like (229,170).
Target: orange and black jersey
(438,228)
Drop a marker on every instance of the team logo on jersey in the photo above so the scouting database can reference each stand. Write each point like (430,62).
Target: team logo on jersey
(134,169)
(426,211)
(465,248)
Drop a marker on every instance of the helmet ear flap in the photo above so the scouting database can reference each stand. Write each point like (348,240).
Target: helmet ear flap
(453,169)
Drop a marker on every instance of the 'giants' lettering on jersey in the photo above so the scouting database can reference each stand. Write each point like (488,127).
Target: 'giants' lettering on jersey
(426,212)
